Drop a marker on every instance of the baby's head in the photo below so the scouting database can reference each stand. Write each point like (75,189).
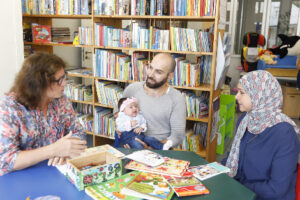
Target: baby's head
(129,106)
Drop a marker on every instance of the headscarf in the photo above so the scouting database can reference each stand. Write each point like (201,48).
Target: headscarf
(266,98)
(127,102)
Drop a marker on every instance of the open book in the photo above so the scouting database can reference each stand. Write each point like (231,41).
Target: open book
(146,157)
(149,186)
(203,172)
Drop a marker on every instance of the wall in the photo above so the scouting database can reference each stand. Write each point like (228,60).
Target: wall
(11,40)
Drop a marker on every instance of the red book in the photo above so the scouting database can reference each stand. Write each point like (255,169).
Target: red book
(41,33)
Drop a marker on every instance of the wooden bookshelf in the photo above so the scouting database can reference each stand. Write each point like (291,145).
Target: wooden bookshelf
(116,20)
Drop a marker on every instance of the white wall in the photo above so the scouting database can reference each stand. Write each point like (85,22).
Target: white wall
(11,43)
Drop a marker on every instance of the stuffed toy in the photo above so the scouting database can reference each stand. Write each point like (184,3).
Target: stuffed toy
(268,57)
(290,46)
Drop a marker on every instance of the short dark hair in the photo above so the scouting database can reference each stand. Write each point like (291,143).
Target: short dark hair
(35,76)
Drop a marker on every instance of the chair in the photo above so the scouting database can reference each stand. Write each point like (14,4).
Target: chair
(250,51)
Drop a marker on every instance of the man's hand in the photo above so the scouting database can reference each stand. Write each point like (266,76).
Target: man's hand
(138,130)
(68,146)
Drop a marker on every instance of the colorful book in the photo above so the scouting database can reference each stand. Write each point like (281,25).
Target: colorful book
(112,188)
(146,157)
(149,186)
(186,186)
(171,167)
(203,172)
(41,33)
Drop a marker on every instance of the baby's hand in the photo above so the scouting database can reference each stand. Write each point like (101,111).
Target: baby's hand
(133,123)
(138,130)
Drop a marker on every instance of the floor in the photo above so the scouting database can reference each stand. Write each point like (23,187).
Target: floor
(229,142)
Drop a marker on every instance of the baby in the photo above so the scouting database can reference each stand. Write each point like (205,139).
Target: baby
(131,123)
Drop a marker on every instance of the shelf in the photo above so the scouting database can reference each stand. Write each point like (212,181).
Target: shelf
(156,50)
(80,75)
(115,80)
(103,105)
(105,136)
(190,18)
(84,102)
(202,87)
(205,119)
(60,16)
(57,44)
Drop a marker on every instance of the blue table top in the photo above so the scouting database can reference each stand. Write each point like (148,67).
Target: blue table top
(39,178)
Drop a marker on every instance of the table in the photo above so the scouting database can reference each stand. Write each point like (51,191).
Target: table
(42,180)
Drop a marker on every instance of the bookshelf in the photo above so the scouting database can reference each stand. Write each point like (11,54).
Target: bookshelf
(117,21)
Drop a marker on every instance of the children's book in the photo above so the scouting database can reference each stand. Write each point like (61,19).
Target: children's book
(203,172)
(41,33)
(149,186)
(146,157)
(171,167)
(112,188)
(186,185)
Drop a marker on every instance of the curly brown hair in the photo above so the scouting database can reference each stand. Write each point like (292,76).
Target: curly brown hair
(35,76)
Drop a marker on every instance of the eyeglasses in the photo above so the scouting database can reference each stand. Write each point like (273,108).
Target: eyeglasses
(60,80)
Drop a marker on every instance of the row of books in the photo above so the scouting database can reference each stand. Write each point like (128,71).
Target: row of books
(104,122)
(159,39)
(85,35)
(205,63)
(193,7)
(111,36)
(86,120)
(155,7)
(187,39)
(79,92)
(196,105)
(200,128)
(82,108)
(56,7)
(60,34)
(108,93)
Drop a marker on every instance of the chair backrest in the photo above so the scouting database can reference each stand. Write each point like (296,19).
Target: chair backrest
(251,49)
(298,183)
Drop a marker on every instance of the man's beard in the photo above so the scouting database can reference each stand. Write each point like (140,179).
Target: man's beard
(155,84)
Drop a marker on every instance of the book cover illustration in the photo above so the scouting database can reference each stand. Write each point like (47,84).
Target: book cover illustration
(203,172)
(149,186)
(146,157)
(186,186)
(112,188)
(41,33)
(171,167)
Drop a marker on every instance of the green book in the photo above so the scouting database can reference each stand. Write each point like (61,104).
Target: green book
(111,189)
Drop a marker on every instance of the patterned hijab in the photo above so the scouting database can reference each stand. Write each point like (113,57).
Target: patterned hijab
(266,98)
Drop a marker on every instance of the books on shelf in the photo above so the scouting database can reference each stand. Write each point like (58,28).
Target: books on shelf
(80,71)
(108,92)
(85,35)
(60,34)
(86,120)
(56,7)
(193,8)
(104,122)
(146,157)
(196,104)
(41,33)
(78,91)
(112,189)
(186,186)
(209,170)
(171,167)
(148,186)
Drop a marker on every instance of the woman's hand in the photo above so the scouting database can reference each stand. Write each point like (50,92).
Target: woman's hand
(56,161)
(68,146)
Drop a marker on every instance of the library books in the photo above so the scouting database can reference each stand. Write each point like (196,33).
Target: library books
(186,186)
(209,170)
(112,188)
(149,186)
(146,157)
(171,167)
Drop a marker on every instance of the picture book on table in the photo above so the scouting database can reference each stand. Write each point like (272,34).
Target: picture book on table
(112,188)
(146,157)
(41,33)
(186,185)
(149,186)
(171,167)
(203,172)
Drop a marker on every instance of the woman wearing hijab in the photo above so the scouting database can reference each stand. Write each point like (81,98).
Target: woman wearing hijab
(265,149)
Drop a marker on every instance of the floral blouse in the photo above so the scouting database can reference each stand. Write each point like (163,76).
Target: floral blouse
(23,129)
